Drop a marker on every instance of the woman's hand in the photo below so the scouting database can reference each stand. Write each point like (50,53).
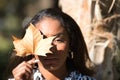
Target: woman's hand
(24,70)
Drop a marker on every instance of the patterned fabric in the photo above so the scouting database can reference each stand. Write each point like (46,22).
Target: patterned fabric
(37,75)
(74,75)
(77,76)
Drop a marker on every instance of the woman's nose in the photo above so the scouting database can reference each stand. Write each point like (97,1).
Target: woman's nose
(53,48)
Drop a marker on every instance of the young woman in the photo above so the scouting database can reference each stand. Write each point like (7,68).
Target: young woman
(69,60)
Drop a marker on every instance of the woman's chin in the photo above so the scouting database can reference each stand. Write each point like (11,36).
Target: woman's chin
(50,68)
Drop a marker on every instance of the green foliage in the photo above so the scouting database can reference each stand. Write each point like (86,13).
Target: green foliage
(4,44)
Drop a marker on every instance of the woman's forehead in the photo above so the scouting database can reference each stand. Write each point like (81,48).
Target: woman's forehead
(50,27)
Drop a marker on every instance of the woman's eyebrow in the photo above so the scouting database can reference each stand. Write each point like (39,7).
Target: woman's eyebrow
(59,34)
(53,35)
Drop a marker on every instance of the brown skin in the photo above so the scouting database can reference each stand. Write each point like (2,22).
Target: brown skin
(23,70)
(53,67)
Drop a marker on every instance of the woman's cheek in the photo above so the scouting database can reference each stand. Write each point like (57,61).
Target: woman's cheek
(62,46)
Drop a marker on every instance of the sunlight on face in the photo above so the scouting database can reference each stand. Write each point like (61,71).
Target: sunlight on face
(52,27)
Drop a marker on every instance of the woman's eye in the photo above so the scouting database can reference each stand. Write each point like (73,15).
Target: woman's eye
(59,40)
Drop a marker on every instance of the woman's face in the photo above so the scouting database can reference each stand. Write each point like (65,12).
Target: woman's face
(51,27)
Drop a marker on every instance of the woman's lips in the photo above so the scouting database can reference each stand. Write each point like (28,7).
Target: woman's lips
(50,60)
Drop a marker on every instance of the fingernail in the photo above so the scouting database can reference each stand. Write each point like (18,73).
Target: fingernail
(36,61)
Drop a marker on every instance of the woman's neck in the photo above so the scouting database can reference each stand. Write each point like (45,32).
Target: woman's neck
(61,73)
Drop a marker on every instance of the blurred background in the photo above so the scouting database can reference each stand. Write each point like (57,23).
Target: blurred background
(99,21)
(13,16)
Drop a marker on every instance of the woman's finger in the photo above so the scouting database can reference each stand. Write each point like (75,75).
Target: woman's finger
(33,61)
(23,70)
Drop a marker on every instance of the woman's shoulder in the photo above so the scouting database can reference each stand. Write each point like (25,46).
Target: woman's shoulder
(74,75)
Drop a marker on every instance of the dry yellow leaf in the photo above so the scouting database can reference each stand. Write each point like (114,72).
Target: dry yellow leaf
(32,43)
